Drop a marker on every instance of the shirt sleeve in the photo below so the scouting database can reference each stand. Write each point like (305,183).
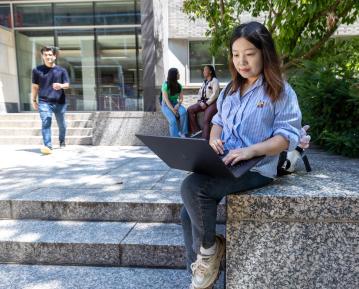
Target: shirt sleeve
(65,77)
(164,87)
(35,77)
(217,119)
(215,91)
(288,117)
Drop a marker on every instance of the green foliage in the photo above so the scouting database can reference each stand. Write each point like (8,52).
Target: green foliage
(299,28)
(328,93)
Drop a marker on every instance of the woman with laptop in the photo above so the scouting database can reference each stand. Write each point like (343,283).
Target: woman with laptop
(258,114)
(171,104)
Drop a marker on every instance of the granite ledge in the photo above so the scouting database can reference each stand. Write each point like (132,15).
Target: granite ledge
(304,208)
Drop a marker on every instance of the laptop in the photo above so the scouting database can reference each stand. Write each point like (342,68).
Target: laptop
(194,155)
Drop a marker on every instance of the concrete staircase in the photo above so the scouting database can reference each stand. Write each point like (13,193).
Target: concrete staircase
(25,129)
(91,217)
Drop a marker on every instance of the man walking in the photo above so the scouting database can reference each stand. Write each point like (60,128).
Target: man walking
(48,96)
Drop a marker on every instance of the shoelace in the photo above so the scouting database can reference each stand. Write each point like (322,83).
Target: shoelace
(200,266)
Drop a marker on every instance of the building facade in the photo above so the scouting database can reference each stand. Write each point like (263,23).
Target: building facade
(117,53)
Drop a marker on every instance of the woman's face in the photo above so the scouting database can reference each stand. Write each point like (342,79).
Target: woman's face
(206,72)
(247,59)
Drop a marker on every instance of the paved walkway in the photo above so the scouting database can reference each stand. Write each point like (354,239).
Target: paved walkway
(24,170)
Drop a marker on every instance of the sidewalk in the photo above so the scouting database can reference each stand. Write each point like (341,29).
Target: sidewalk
(25,169)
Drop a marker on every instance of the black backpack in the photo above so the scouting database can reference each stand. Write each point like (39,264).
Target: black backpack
(284,162)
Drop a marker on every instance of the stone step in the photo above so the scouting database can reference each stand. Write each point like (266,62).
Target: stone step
(92,243)
(37,140)
(37,123)
(15,131)
(82,277)
(100,204)
(35,116)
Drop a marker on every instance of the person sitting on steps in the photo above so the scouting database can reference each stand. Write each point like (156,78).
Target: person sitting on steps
(208,94)
(171,104)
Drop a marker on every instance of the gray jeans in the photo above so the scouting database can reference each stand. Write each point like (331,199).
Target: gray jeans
(201,195)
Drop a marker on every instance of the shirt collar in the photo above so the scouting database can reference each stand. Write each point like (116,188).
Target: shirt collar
(256,84)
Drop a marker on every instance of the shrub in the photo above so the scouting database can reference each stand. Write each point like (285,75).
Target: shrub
(328,94)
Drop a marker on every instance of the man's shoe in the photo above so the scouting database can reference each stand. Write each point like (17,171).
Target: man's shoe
(205,270)
(62,144)
(46,150)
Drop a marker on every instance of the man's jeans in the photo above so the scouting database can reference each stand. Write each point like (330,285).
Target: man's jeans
(172,121)
(201,195)
(46,110)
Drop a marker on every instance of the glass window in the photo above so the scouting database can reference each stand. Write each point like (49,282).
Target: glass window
(5,16)
(119,12)
(33,15)
(77,56)
(221,66)
(199,56)
(117,69)
(28,45)
(69,14)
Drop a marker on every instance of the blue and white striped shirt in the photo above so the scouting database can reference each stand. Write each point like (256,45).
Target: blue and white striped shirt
(254,118)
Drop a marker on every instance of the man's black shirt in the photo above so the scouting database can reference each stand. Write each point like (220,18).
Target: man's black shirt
(44,77)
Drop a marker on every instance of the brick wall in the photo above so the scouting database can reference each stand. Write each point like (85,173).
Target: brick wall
(181,27)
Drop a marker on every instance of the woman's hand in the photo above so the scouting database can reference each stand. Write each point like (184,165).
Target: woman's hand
(176,107)
(237,155)
(217,145)
(202,105)
(176,113)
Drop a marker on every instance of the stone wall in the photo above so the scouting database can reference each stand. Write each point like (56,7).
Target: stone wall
(301,232)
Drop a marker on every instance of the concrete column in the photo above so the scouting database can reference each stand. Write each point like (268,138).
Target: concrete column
(154,27)
(9,92)
(88,75)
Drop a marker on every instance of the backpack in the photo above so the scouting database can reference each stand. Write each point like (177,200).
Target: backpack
(287,160)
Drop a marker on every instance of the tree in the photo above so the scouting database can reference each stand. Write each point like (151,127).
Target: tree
(299,28)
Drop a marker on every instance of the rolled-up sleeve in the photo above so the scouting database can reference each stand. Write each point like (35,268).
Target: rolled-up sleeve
(217,119)
(288,118)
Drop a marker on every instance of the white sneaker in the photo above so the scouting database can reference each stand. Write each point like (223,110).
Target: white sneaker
(46,150)
(205,270)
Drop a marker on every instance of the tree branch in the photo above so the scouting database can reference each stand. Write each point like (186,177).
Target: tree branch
(276,14)
(314,49)
(221,5)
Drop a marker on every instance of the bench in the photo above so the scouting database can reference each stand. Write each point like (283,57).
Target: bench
(300,232)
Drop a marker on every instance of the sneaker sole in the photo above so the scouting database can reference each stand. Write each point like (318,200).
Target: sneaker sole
(46,152)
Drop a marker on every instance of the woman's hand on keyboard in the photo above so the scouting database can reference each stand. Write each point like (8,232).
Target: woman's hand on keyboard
(237,155)
(217,145)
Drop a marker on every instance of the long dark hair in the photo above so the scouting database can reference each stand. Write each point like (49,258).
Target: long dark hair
(257,34)
(211,69)
(172,83)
